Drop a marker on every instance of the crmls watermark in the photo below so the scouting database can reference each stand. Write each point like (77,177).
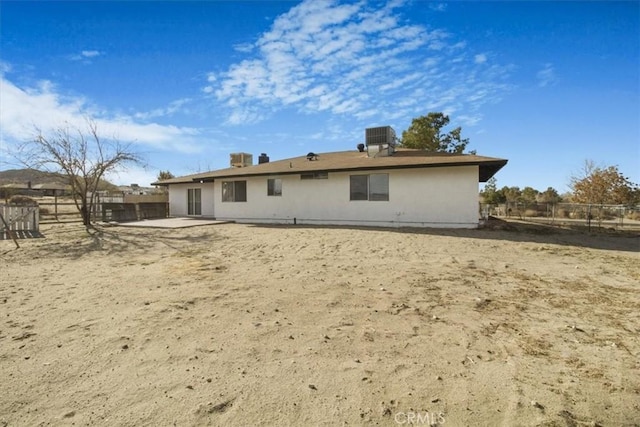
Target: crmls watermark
(425,418)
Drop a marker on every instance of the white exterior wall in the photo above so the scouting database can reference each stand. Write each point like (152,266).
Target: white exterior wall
(429,197)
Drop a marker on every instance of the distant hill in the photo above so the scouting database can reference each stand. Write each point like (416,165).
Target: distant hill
(24,176)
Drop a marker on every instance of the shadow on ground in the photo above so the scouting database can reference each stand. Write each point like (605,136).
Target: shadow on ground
(26,234)
(78,241)
(515,231)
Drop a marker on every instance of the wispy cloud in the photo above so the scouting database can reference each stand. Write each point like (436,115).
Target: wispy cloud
(211,78)
(177,106)
(4,67)
(546,76)
(243,47)
(90,53)
(356,60)
(480,58)
(438,7)
(85,55)
(143,176)
(42,106)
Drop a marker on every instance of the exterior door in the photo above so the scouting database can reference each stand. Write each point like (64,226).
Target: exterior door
(194,201)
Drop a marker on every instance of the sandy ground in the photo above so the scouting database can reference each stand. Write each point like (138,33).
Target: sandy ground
(244,325)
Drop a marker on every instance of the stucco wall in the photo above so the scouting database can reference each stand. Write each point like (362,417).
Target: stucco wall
(433,197)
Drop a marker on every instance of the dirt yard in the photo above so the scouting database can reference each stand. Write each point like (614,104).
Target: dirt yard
(242,325)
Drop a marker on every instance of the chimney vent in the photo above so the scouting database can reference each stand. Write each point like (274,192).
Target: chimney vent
(263,158)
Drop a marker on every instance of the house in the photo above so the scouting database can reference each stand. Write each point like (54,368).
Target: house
(135,189)
(375,185)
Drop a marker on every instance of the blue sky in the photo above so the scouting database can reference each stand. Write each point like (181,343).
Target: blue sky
(543,84)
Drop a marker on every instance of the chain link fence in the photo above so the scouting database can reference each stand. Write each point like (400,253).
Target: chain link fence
(567,214)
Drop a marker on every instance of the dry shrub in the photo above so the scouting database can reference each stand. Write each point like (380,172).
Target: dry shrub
(635,216)
(22,200)
(562,213)
(531,213)
(578,215)
(606,216)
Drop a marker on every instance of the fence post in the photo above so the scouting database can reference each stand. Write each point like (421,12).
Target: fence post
(9,231)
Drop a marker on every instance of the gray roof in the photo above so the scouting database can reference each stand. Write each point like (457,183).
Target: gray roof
(342,161)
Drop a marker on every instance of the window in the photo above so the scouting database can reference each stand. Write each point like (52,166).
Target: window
(359,187)
(194,201)
(314,175)
(379,187)
(274,187)
(374,187)
(234,191)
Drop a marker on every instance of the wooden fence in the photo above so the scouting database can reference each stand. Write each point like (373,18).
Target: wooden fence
(56,211)
(133,211)
(19,222)
(131,207)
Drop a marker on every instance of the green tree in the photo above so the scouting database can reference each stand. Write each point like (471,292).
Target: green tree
(603,185)
(550,195)
(490,194)
(163,175)
(426,133)
(79,154)
(529,195)
(511,194)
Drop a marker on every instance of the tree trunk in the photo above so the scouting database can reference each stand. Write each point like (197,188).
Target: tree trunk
(86,215)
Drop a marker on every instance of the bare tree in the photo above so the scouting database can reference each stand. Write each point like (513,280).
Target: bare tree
(80,154)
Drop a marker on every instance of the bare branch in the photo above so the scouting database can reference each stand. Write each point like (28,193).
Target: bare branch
(80,154)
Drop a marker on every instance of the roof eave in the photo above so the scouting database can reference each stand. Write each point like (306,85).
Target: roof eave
(488,169)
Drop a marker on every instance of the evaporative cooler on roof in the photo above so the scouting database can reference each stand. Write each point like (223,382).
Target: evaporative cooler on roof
(240,160)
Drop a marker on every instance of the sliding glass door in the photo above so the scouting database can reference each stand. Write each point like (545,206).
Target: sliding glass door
(194,201)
